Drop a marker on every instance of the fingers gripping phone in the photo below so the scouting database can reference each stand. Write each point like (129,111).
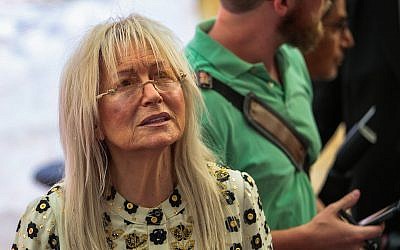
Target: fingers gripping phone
(381,215)
(375,218)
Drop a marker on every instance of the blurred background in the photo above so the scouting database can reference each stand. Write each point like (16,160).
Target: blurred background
(36,37)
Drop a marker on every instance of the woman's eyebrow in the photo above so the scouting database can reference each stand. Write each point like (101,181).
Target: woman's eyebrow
(159,65)
(154,65)
(128,71)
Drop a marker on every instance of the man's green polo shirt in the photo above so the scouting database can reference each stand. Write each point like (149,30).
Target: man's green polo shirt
(286,194)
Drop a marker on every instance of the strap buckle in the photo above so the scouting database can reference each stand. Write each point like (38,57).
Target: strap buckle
(204,80)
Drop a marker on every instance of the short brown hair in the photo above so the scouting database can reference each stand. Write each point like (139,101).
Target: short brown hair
(240,6)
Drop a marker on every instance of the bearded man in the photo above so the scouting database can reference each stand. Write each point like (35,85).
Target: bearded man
(258,93)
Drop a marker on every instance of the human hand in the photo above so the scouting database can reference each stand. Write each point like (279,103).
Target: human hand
(327,231)
(320,205)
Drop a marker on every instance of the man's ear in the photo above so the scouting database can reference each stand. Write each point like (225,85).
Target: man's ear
(282,6)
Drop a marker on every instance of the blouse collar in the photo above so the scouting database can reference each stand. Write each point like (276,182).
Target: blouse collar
(136,214)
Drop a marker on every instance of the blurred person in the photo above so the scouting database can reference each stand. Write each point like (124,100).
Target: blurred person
(370,76)
(324,60)
(246,57)
(137,174)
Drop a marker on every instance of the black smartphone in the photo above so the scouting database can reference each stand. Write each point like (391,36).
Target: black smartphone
(382,215)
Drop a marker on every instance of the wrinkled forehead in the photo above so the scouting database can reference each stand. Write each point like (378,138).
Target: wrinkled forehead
(138,58)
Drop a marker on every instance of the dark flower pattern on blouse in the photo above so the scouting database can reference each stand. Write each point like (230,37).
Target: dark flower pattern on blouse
(111,195)
(43,205)
(222,175)
(259,203)
(250,216)
(106,220)
(266,228)
(256,242)
(32,230)
(229,197)
(236,246)
(181,232)
(248,179)
(130,207)
(14,247)
(53,189)
(232,224)
(154,217)
(110,243)
(181,211)
(127,222)
(135,240)
(53,241)
(158,236)
(175,198)
(19,225)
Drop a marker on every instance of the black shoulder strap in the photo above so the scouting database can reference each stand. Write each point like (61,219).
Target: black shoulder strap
(263,119)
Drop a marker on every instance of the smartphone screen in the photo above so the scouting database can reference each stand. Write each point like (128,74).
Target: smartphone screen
(382,215)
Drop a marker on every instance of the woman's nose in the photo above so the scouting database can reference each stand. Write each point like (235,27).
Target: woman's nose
(150,94)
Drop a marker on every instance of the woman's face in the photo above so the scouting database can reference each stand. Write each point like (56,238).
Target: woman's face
(145,118)
(324,60)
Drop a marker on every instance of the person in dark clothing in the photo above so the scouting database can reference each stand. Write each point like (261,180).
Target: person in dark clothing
(370,76)
(325,58)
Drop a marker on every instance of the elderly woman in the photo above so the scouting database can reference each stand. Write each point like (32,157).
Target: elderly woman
(138,175)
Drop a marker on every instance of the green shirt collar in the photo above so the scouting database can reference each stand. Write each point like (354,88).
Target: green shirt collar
(223,60)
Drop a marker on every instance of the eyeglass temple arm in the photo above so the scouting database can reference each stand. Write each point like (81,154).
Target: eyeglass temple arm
(110,91)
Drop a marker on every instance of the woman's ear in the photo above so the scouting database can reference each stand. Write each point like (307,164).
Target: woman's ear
(99,134)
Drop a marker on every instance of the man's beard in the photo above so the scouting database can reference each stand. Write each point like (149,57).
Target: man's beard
(297,32)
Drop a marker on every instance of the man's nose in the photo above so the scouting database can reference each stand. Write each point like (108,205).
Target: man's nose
(347,39)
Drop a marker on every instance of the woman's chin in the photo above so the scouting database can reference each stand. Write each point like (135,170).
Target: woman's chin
(156,142)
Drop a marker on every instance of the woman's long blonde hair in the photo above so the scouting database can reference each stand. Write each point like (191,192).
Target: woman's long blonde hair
(86,178)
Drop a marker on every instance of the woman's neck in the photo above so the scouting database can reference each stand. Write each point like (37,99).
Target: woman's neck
(146,178)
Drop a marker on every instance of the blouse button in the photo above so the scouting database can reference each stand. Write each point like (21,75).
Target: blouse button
(154,219)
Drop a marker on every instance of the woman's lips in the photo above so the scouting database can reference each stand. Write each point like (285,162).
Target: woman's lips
(156,119)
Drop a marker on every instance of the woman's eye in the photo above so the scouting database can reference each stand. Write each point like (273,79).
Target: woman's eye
(126,82)
(163,77)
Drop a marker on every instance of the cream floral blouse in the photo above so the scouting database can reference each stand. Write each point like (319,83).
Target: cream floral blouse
(167,226)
